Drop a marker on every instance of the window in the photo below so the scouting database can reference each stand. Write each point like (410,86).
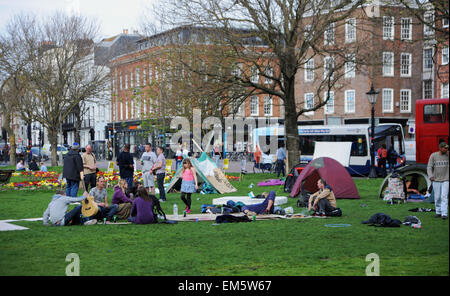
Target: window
(428,19)
(120,82)
(444,90)
(328,67)
(350,66)
(237,70)
(307,33)
(309,70)
(388,28)
(144,76)
(126,81)
(435,113)
(388,100)
(329,106)
(126,110)
(405,65)
(427,59)
(267,106)
(350,30)
(254,106)
(445,22)
(309,103)
(150,75)
(405,101)
(406,29)
(359,146)
(329,35)
(428,89)
(350,101)
(388,64)
(137,75)
(445,55)
(254,74)
(131,80)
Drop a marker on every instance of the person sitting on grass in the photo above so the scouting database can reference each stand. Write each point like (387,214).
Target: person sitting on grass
(33,165)
(122,200)
(266,207)
(20,166)
(142,208)
(43,167)
(56,212)
(101,199)
(323,201)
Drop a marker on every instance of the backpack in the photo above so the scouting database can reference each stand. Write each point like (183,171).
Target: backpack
(156,209)
(303,200)
(335,213)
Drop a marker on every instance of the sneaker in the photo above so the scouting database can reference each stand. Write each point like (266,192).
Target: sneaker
(162,200)
(188,211)
(444,217)
(91,222)
(437,216)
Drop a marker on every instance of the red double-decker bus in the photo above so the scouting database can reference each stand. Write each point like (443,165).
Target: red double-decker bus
(431,127)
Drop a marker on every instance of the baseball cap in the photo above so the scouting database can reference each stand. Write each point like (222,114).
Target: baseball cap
(443,145)
(75,146)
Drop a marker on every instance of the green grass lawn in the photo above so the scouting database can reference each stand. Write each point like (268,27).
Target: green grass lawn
(278,247)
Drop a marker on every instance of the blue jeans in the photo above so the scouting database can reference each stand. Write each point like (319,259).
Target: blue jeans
(280,167)
(160,181)
(129,182)
(72,188)
(109,212)
(73,216)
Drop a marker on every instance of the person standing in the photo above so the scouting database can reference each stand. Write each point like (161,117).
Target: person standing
(217,153)
(281,158)
(437,170)
(126,165)
(89,168)
(72,168)
(178,157)
(148,159)
(382,159)
(189,183)
(160,170)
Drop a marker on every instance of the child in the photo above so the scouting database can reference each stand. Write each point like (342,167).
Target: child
(43,167)
(188,183)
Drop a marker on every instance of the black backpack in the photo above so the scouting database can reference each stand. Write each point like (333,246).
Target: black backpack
(231,219)
(303,200)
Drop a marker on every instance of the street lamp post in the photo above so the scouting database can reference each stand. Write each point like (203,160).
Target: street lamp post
(372,97)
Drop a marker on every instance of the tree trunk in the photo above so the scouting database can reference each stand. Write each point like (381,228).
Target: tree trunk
(290,126)
(53,139)
(12,139)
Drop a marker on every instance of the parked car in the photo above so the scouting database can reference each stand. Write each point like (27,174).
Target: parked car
(21,151)
(38,154)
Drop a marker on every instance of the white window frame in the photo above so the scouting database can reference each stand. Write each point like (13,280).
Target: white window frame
(346,102)
(388,28)
(309,70)
(126,80)
(444,90)
(430,82)
(309,104)
(406,28)
(237,70)
(387,66)
(444,58)
(425,58)
(329,106)
(444,22)
(328,38)
(350,69)
(404,92)
(387,100)
(350,30)
(325,67)
(254,75)
(268,71)
(428,17)
(403,66)
(268,110)
(254,105)
(138,76)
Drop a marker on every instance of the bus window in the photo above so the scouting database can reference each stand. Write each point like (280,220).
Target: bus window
(359,143)
(434,113)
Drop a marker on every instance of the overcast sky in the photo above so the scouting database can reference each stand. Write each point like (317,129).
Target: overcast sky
(113,15)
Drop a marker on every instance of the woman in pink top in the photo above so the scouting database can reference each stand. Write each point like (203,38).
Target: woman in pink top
(188,183)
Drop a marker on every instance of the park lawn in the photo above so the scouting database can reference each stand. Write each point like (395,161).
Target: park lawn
(279,247)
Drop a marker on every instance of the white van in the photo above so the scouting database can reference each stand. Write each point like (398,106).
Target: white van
(61,151)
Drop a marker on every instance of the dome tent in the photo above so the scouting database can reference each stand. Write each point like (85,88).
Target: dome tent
(332,172)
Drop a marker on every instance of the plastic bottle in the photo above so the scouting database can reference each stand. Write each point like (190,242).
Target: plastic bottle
(416,225)
(251,185)
(175,210)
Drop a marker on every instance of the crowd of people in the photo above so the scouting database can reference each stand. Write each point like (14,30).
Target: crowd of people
(136,202)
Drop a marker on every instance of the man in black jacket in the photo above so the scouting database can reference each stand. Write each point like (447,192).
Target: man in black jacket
(73,166)
(126,165)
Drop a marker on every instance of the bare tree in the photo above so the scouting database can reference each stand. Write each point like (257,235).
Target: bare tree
(273,41)
(55,53)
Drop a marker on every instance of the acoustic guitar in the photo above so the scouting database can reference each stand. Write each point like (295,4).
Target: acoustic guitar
(89,207)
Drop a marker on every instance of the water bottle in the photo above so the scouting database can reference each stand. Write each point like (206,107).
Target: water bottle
(251,185)
(416,225)
(175,210)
